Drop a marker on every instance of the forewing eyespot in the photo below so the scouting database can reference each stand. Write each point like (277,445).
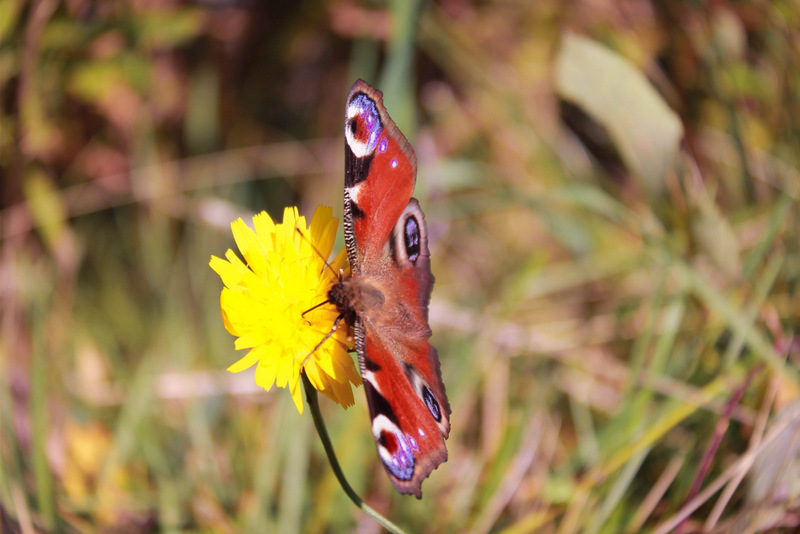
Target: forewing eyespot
(411,238)
(430,402)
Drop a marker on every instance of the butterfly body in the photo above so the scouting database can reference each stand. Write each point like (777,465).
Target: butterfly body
(386,297)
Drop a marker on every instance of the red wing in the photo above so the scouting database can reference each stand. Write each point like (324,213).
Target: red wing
(410,416)
(380,171)
(413,289)
(402,378)
(389,299)
(413,259)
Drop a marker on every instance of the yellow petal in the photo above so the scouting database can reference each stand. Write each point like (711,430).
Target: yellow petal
(245,363)
(265,298)
(297,395)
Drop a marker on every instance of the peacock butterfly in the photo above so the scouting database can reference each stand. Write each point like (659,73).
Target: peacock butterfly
(386,297)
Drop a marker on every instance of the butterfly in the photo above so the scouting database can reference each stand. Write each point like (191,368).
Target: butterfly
(386,297)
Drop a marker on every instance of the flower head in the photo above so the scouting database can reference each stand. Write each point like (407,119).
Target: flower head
(265,297)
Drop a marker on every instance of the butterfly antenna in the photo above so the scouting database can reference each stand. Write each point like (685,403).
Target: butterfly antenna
(324,339)
(328,265)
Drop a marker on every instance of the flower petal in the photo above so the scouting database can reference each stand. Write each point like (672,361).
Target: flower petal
(267,296)
(245,363)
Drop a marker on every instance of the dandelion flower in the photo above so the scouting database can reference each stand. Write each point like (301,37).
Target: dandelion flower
(264,298)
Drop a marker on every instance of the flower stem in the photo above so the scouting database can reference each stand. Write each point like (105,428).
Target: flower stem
(313,404)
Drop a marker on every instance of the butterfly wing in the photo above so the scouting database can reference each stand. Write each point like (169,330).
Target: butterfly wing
(387,244)
(408,423)
(375,149)
(402,379)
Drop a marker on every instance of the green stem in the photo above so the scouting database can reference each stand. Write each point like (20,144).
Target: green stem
(313,404)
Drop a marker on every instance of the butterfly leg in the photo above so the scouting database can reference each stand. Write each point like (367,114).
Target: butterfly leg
(324,339)
(314,307)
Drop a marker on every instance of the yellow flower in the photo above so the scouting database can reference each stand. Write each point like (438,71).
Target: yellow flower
(264,299)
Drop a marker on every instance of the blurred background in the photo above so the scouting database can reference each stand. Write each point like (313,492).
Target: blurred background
(612,194)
